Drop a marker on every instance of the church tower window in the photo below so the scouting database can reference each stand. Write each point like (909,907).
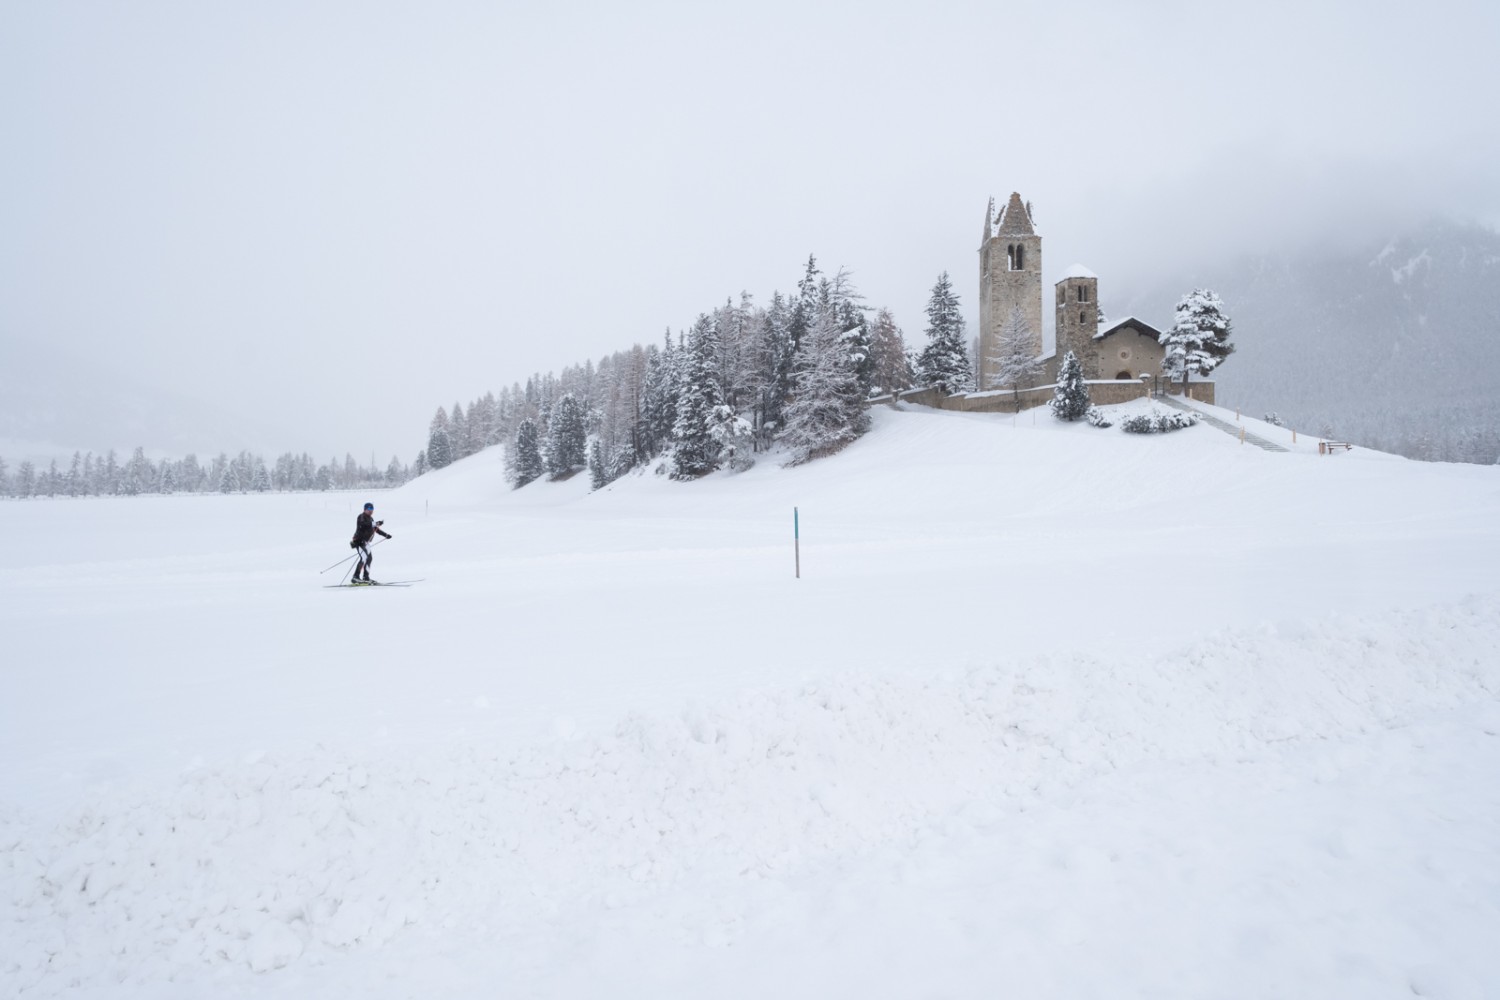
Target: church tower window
(1020,258)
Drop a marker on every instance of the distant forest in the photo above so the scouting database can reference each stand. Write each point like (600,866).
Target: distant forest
(87,475)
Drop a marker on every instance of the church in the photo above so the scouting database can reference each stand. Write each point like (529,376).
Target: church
(1010,280)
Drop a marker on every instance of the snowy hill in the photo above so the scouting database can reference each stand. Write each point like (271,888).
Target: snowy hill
(1053,711)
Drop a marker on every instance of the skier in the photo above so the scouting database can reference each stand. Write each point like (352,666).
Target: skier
(365,528)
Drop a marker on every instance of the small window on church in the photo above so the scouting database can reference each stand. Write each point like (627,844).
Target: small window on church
(1020,258)
(1010,254)
(1083,317)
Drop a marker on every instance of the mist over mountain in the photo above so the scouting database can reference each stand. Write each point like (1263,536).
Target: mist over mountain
(1394,345)
(53,403)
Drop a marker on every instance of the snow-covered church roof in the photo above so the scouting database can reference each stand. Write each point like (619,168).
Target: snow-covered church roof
(1079,271)
(1114,327)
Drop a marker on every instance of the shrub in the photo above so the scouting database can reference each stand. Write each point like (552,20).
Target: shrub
(1096,417)
(1157,422)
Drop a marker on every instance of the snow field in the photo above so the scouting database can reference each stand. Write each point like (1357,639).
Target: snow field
(305,860)
(607,749)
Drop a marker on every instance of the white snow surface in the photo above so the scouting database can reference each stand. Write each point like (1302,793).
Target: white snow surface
(1053,711)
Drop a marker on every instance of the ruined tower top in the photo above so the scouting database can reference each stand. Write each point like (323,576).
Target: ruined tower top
(1015,218)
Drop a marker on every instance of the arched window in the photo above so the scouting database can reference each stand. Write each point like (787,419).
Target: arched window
(1020,258)
(1083,317)
(1010,256)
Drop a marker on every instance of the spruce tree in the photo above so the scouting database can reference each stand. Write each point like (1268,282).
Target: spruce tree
(598,471)
(528,453)
(1070,400)
(567,438)
(944,362)
(827,410)
(439,442)
(695,451)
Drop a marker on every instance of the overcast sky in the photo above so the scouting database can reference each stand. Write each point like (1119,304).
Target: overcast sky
(351,213)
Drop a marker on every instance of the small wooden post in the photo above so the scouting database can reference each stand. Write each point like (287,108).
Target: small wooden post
(797,542)
(1294,436)
(1236,414)
(1242,435)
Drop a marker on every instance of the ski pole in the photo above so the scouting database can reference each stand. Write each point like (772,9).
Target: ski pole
(344,560)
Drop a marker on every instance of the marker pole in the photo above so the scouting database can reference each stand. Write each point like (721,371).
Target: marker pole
(797,540)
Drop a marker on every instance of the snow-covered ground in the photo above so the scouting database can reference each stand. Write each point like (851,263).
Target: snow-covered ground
(1053,711)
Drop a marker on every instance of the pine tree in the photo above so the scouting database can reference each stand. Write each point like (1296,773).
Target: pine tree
(1199,339)
(944,362)
(4,479)
(528,454)
(1070,400)
(260,478)
(567,437)
(695,452)
(420,465)
(827,410)
(598,470)
(439,442)
(1013,364)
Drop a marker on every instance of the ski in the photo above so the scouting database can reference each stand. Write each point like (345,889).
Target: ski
(382,583)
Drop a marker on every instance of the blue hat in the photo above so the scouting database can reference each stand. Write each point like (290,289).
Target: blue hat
(369,506)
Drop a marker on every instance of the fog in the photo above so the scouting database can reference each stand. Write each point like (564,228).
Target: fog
(332,218)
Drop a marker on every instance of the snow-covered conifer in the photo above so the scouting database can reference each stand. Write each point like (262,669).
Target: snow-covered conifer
(439,441)
(566,439)
(528,453)
(944,362)
(695,451)
(1199,339)
(827,410)
(1070,400)
(1014,363)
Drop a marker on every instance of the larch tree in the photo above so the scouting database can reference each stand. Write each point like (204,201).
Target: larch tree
(1014,362)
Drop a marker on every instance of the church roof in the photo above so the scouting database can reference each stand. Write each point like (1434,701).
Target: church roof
(1015,218)
(1140,325)
(1079,271)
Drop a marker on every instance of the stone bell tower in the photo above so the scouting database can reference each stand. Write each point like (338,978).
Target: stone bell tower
(1010,276)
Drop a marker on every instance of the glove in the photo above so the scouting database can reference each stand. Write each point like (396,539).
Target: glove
(354,545)
(379,523)
(389,535)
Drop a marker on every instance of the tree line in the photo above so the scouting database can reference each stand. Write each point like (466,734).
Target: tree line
(796,371)
(87,475)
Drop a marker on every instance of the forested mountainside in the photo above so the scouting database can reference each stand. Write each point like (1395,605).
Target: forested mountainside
(1395,346)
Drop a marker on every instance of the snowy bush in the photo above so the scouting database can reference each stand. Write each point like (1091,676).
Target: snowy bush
(735,436)
(1070,400)
(1096,417)
(1272,419)
(1157,422)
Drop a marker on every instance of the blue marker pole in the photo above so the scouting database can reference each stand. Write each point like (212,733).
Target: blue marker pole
(797,541)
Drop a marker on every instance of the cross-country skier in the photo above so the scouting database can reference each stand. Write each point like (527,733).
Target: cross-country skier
(365,528)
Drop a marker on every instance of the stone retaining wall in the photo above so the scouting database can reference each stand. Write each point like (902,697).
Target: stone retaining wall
(1101,393)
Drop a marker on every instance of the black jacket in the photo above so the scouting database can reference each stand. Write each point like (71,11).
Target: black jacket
(366,528)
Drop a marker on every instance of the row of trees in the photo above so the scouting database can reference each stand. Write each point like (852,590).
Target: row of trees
(242,473)
(796,371)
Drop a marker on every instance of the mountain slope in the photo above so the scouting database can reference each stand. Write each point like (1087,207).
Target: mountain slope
(1396,345)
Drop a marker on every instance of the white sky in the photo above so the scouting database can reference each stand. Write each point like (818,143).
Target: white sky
(352,213)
